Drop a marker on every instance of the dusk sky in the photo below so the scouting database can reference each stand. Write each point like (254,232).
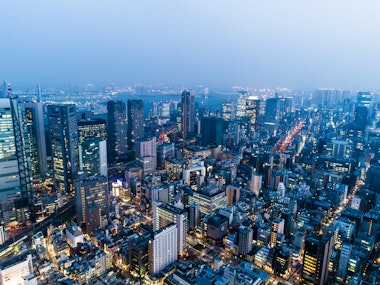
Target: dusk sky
(215,43)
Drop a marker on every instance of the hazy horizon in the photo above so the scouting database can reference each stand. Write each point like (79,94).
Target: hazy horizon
(219,44)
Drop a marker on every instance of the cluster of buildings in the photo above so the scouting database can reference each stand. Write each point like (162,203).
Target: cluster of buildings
(265,189)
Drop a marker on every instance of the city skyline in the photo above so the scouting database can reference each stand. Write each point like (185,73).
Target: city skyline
(176,142)
(217,44)
(269,188)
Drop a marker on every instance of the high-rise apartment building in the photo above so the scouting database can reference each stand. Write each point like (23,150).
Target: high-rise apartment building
(316,259)
(64,145)
(116,130)
(162,248)
(188,114)
(135,121)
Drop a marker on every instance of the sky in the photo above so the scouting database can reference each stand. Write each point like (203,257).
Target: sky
(214,43)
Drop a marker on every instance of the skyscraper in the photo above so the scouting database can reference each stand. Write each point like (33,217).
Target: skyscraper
(135,121)
(64,143)
(228,111)
(273,113)
(116,130)
(241,103)
(35,135)
(316,259)
(364,98)
(256,183)
(15,177)
(252,109)
(188,114)
(146,152)
(363,109)
(361,117)
(95,128)
(212,130)
(93,157)
(326,97)
(91,193)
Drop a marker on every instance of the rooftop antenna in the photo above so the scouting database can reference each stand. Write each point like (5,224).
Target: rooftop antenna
(5,90)
(38,92)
